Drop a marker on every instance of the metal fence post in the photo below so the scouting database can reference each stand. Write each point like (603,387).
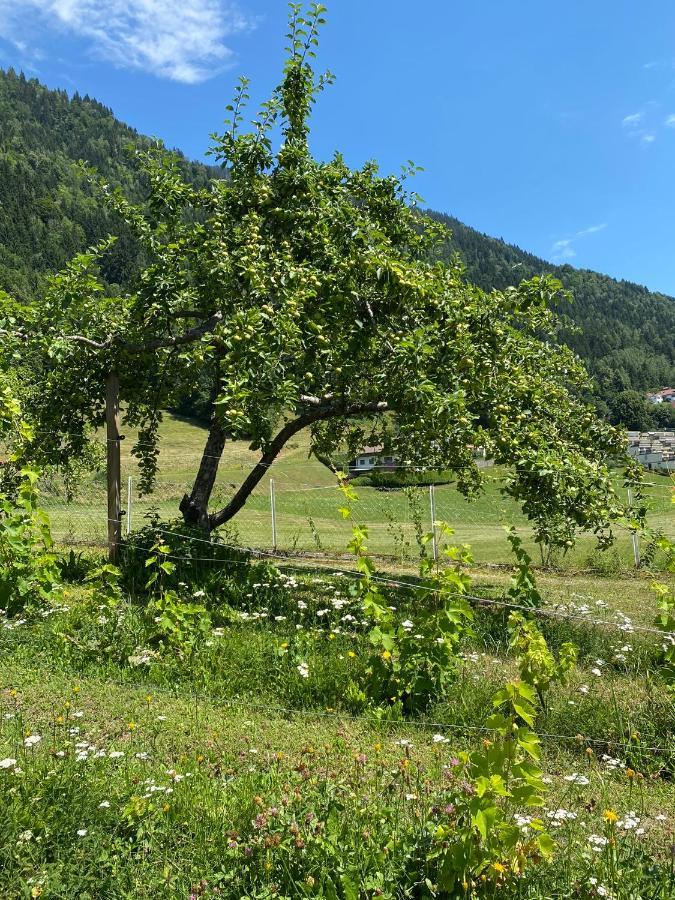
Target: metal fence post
(129,489)
(273,507)
(432,506)
(634,537)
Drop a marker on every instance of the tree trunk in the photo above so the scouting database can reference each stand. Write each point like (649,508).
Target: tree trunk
(112,418)
(276,445)
(195,506)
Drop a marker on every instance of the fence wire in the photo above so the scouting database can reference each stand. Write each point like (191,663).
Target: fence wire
(287,515)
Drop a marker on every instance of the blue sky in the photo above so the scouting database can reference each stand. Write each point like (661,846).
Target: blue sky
(552,126)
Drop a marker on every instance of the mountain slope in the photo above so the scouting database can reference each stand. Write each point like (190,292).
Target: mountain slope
(627,332)
(48,212)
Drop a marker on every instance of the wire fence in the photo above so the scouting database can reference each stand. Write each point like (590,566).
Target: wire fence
(284,514)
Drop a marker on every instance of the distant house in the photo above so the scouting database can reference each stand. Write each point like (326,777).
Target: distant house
(376,458)
(665,395)
(372,458)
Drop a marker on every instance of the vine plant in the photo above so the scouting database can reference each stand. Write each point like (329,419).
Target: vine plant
(486,842)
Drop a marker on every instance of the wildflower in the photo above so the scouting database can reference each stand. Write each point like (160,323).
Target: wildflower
(303,670)
(7,763)
(629,822)
(610,816)
(440,739)
(131,725)
(407,624)
(31,740)
(630,774)
(498,867)
(386,655)
(104,804)
(596,672)
(351,654)
(559,816)
(81,832)
(597,842)
(577,779)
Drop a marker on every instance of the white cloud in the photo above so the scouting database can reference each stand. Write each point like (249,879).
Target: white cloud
(183,40)
(564,248)
(670,121)
(648,138)
(632,121)
(593,229)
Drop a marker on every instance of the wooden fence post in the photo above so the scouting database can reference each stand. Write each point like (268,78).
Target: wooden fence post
(114,475)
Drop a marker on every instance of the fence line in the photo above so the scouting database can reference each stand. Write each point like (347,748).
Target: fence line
(299,517)
(626,627)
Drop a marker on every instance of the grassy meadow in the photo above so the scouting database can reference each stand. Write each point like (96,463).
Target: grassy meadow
(239,768)
(307,506)
(238,730)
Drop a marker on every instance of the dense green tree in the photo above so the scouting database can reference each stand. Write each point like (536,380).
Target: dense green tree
(311,294)
(629,408)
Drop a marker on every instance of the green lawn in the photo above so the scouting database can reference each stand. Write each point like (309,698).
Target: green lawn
(307,505)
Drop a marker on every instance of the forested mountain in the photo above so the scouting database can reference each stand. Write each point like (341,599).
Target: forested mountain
(627,332)
(48,212)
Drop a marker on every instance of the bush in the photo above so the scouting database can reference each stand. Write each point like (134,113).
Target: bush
(403,478)
(203,562)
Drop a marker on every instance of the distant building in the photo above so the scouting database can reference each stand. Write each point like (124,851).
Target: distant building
(375,458)
(372,458)
(654,449)
(665,395)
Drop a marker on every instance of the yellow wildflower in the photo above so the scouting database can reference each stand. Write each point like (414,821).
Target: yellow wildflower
(610,816)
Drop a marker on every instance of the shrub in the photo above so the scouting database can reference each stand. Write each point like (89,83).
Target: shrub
(206,563)
(403,478)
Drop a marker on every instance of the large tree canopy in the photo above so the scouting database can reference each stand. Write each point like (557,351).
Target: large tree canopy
(314,296)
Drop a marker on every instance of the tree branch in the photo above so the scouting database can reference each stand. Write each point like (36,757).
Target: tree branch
(188,337)
(290,428)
